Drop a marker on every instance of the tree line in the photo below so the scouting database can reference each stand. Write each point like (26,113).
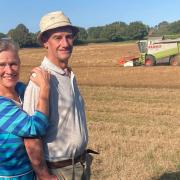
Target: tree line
(114,32)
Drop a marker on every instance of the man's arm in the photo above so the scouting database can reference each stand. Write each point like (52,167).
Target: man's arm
(35,152)
(34,147)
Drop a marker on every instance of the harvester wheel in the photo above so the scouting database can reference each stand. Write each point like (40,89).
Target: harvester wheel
(150,60)
(174,60)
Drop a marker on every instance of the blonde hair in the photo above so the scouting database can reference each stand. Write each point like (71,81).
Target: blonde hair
(8,44)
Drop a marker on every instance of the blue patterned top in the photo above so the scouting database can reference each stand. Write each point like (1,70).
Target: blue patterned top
(14,125)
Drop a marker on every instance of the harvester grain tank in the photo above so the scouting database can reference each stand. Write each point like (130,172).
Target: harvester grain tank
(154,50)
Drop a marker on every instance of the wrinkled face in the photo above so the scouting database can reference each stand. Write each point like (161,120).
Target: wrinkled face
(59,44)
(9,68)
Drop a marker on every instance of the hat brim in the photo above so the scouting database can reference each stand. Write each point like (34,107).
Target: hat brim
(40,34)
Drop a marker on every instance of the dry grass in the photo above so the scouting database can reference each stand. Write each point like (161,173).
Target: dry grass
(136,131)
(133,113)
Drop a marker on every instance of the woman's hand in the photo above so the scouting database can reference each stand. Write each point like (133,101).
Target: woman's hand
(40,77)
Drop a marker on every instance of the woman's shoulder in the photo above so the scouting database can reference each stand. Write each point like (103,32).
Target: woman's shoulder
(20,85)
(20,89)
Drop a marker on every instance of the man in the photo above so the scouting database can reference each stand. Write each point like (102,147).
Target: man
(66,139)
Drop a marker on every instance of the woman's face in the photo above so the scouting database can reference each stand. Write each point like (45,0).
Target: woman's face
(9,68)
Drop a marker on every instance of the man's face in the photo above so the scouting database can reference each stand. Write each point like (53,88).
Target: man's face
(60,45)
(9,68)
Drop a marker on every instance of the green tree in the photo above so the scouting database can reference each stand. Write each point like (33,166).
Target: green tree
(175,27)
(94,32)
(115,31)
(161,29)
(82,35)
(137,30)
(2,35)
(20,35)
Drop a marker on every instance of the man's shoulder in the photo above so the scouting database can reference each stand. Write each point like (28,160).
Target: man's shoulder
(31,88)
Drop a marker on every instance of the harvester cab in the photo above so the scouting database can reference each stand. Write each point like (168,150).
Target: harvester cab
(142,45)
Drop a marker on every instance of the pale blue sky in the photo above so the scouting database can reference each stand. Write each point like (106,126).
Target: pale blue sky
(88,13)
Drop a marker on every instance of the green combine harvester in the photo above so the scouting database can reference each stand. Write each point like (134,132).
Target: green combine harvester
(153,51)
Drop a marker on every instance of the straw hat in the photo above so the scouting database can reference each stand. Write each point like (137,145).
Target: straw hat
(54,20)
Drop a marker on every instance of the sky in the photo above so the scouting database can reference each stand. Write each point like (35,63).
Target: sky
(87,13)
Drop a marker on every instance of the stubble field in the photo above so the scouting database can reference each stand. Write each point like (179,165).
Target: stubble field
(132,113)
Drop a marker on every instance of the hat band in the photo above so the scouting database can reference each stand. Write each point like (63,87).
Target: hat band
(56,25)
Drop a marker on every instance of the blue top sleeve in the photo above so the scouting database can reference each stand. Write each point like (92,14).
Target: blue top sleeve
(16,121)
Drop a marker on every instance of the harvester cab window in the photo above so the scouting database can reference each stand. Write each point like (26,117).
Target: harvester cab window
(142,46)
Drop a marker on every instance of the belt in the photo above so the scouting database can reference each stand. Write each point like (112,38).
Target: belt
(60,164)
(64,163)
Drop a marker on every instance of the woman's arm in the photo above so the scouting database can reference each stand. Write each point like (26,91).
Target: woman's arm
(16,121)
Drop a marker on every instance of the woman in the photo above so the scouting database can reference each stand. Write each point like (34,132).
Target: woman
(14,122)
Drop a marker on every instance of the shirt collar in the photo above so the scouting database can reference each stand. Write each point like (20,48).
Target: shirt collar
(47,64)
